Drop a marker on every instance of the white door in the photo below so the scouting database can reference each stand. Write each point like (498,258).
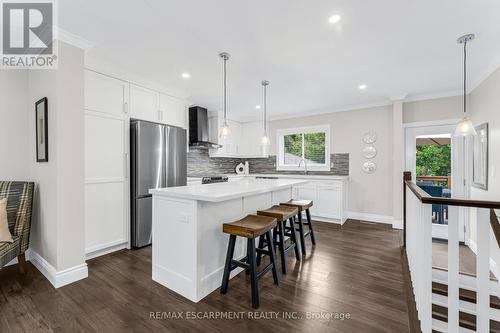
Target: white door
(420,138)
(144,104)
(106,159)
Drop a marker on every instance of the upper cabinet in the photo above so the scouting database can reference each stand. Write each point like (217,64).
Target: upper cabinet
(105,94)
(147,104)
(173,111)
(144,104)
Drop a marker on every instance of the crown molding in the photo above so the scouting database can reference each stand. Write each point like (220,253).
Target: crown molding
(72,39)
(425,97)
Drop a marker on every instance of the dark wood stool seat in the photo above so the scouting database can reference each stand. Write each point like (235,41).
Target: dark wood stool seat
(283,214)
(250,227)
(303,205)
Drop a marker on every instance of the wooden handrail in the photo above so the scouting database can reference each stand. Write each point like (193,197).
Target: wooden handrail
(495,225)
(427,199)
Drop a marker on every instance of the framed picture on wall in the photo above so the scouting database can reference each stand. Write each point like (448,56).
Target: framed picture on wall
(480,158)
(42,147)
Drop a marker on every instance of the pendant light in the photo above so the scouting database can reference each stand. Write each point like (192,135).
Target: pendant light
(225,131)
(465,127)
(265,136)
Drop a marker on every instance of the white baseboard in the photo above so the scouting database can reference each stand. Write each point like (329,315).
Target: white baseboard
(100,250)
(374,218)
(58,278)
(397,224)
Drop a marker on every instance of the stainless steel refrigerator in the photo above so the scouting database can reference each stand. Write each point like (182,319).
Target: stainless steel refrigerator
(157,159)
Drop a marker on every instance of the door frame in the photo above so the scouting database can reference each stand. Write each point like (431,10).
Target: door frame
(459,168)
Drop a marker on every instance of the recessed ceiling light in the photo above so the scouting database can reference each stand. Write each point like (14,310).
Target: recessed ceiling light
(334,19)
(258,107)
(186,75)
(362,86)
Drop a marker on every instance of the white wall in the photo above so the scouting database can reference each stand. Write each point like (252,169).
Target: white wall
(42,83)
(13,124)
(368,194)
(484,103)
(58,220)
(433,109)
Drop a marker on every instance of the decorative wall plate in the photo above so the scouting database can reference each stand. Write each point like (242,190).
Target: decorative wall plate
(369,152)
(370,137)
(369,167)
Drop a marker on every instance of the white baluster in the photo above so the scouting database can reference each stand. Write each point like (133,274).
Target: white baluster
(426,267)
(453,264)
(483,270)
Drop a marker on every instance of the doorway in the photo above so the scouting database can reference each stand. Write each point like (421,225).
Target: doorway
(436,161)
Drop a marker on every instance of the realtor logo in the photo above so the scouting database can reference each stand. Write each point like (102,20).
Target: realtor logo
(28,34)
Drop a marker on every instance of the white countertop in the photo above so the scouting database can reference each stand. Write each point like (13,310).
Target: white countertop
(226,191)
(289,176)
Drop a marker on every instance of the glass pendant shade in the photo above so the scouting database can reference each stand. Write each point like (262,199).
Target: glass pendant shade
(265,140)
(465,128)
(225,131)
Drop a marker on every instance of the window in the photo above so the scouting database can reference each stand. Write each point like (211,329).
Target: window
(309,144)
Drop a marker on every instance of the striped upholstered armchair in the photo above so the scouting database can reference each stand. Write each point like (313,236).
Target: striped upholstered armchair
(19,207)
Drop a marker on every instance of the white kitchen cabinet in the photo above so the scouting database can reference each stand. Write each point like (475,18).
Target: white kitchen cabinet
(105,94)
(329,198)
(173,111)
(106,164)
(144,104)
(329,201)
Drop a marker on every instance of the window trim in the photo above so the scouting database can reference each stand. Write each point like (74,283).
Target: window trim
(280,134)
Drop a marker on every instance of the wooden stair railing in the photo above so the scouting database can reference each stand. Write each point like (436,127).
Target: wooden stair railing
(417,246)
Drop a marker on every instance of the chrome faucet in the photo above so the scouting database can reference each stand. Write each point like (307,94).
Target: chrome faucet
(305,165)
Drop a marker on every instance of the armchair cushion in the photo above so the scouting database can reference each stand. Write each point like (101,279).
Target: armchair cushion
(5,235)
(19,197)
(9,251)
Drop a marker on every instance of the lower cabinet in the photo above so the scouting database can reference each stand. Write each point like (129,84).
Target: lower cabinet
(329,197)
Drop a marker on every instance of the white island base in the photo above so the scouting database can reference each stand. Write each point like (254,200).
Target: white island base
(189,247)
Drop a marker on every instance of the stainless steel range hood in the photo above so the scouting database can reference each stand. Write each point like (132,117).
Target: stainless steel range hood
(198,129)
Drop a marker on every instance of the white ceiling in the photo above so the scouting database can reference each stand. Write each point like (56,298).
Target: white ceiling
(394,46)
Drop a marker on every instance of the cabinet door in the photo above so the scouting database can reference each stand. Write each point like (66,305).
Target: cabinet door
(107,221)
(329,201)
(104,94)
(173,111)
(144,104)
(306,192)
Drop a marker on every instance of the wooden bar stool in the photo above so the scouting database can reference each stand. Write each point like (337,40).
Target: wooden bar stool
(282,214)
(250,227)
(303,205)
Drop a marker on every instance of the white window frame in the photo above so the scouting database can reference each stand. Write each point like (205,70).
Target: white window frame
(280,134)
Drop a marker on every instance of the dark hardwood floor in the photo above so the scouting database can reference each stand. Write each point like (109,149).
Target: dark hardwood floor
(355,270)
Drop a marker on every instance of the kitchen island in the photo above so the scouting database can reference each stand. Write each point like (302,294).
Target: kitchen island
(189,247)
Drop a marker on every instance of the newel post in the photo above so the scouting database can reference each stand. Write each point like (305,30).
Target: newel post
(406,176)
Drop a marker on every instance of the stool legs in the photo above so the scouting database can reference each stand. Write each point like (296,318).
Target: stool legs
(281,245)
(302,235)
(273,258)
(227,266)
(253,271)
(293,236)
(309,222)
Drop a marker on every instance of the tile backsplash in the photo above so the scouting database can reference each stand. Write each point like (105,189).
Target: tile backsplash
(199,163)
